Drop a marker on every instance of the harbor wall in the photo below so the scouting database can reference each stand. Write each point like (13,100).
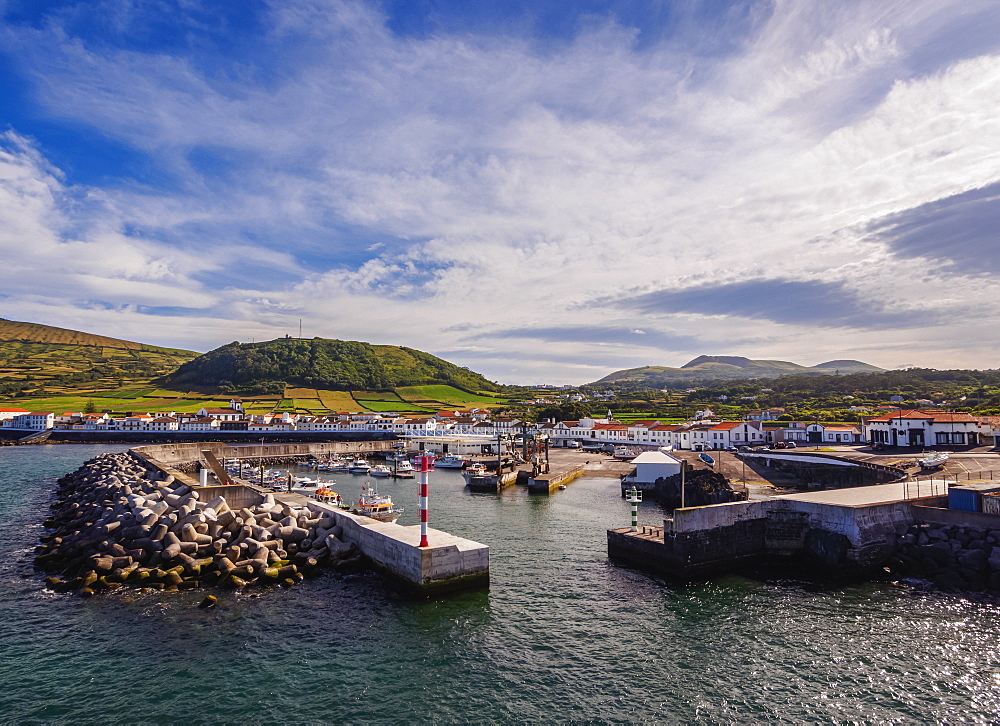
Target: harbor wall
(842,539)
(449,563)
(546,483)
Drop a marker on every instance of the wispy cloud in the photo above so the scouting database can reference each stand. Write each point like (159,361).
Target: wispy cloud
(392,180)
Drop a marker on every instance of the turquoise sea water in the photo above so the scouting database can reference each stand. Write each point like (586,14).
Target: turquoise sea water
(562,635)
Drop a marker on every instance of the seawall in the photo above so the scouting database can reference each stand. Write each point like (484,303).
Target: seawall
(846,532)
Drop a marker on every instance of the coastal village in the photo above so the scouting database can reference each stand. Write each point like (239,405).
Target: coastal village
(897,428)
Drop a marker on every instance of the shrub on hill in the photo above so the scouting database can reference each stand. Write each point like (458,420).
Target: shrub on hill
(321,363)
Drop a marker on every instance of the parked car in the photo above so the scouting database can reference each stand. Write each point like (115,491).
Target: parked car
(790,445)
(780,445)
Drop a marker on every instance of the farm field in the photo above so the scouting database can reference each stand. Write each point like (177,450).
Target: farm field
(398,406)
(76,402)
(339,401)
(446,396)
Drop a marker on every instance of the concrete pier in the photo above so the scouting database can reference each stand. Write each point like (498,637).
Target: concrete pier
(847,531)
(449,563)
(546,483)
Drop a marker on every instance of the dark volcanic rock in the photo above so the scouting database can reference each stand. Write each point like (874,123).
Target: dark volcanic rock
(701,487)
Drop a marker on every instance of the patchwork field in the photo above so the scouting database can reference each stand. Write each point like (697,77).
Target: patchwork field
(339,401)
(445,396)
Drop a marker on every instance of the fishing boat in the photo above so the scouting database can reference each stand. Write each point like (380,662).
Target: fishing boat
(475,469)
(377,506)
(359,466)
(707,459)
(380,470)
(450,462)
(934,460)
(326,494)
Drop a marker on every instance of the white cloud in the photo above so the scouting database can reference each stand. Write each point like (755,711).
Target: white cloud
(485,182)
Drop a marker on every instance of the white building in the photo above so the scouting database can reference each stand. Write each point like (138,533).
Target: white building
(652,465)
(34,420)
(927,428)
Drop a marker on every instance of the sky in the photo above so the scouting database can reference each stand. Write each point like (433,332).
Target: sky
(543,191)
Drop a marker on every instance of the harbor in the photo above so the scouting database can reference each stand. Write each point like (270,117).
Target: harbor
(551,629)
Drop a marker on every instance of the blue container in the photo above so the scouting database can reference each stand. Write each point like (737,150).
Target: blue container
(967,497)
(963,499)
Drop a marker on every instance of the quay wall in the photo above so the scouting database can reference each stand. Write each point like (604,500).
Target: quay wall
(234,437)
(545,484)
(191,451)
(844,539)
(449,563)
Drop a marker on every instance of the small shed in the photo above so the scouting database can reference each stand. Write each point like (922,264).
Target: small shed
(652,465)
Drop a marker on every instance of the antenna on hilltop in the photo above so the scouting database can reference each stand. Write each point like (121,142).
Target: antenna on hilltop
(300,327)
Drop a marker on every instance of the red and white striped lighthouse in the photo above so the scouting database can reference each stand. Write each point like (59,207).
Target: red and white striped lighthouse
(424,464)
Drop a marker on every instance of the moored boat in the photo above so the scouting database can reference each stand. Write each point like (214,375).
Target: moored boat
(450,462)
(326,494)
(377,506)
(380,470)
(403,469)
(475,469)
(359,466)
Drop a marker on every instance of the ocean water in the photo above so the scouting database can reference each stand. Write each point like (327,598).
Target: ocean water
(563,634)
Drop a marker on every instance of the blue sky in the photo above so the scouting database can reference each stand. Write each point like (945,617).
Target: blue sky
(543,191)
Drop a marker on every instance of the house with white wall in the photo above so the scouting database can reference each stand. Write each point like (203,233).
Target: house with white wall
(912,428)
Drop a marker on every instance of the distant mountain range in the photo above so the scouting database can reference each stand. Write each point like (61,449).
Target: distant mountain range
(728,367)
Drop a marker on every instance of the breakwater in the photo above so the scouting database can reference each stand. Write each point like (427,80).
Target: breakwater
(120,521)
(847,532)
(952,556)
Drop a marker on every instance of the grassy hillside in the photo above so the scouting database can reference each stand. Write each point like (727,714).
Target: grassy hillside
(38,361)
(346,365)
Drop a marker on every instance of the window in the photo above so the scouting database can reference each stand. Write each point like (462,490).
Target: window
(958,438)
(942,438)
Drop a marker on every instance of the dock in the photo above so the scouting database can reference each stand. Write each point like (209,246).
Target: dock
(844,531)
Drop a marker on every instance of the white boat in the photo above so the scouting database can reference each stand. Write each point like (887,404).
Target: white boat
(933,460)
(304,481)
(359,466)
(450,462)
(377,506)
(340,465)
(475,469)
(403,469)
(380,470)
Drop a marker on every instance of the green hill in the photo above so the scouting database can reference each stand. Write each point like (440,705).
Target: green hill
(728,367)
(35,357)
(321,363)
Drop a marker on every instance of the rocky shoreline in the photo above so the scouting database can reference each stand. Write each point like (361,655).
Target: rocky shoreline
(117,521)
(952,557)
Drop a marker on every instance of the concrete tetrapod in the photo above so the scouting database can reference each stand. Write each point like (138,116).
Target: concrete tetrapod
(116,521)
